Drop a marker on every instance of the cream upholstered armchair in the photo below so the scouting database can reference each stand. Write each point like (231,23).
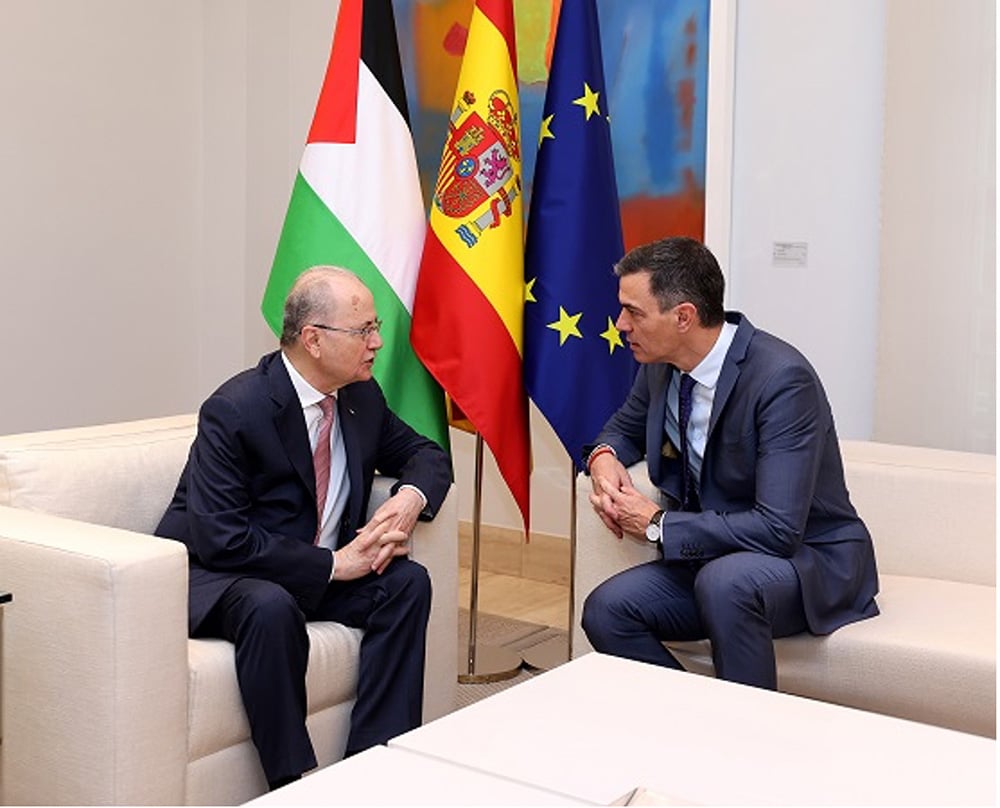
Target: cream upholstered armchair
(105,699)
(930,655)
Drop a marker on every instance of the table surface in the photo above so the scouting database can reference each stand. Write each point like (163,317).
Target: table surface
(384,776)
(599,726)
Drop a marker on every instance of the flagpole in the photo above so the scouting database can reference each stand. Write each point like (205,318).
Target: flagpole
(549,655)
(572,560)
(486,663)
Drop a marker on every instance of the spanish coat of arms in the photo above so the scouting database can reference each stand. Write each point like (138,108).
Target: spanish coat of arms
(481,163)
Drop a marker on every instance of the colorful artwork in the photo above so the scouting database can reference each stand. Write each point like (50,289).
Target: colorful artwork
(656,66)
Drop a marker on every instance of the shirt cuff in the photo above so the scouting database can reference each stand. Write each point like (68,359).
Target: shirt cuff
(414,488)
(333,562)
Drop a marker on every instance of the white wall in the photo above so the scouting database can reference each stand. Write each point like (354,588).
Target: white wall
(147,156)
(867,130)
(937,323)
(807,147)
(100,210)
(148,149)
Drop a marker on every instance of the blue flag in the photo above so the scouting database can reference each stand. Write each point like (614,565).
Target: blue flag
(577,368)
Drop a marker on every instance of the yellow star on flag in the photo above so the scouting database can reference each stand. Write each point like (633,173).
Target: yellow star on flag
(566,325)
(588,101)
(529,294)
(545,131)
(612,335)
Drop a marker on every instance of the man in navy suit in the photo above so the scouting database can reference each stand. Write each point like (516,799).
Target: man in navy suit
(757,533)
(264,559)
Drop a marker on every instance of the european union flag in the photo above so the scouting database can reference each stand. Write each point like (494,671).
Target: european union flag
(577,368)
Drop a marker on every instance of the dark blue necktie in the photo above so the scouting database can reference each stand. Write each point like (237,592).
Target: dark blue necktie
(688,497)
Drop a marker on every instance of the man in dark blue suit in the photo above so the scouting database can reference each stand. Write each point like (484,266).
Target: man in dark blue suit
(270,549)
(757,533)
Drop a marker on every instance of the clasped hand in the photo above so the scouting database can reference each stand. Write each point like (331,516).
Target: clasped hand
(386,536)
(616,501)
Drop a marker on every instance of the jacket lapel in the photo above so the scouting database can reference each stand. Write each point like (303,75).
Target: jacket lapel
(655,425)
(289,421)
(730,367)
(347,414)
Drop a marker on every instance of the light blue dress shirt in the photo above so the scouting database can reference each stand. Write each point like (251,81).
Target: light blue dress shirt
(706,376)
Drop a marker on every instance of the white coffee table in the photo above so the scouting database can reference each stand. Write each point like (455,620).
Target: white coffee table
(384,776)
(599,726)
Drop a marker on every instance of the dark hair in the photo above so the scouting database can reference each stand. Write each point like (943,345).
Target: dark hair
(680,270)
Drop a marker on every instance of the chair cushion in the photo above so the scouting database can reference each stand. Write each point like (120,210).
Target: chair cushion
(215,709)
(120,475)
(916,500)
(930,656)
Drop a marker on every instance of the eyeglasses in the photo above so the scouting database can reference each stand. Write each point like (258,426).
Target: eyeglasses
(364,332)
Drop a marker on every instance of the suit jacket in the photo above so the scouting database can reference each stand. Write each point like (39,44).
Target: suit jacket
(772,478)
(245,504)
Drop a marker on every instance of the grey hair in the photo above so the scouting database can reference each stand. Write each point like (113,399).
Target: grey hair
(310,298)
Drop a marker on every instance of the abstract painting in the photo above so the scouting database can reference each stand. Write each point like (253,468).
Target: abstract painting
(656,71)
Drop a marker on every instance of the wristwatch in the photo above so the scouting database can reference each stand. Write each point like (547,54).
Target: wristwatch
(653,532)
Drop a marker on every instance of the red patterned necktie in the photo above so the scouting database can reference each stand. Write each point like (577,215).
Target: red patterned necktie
(321,461)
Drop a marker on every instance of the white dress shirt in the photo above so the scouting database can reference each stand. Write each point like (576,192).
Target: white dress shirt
(340,484)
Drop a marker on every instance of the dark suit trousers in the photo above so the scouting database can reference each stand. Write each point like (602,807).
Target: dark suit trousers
(268,628)
(740,602)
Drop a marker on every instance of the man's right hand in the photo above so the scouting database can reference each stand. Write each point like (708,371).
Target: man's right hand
(370,551)
(608,470)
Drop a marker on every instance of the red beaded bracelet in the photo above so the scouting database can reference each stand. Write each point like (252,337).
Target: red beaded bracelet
(597,453)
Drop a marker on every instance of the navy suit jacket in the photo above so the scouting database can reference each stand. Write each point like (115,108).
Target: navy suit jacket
(245,504)
(772,478)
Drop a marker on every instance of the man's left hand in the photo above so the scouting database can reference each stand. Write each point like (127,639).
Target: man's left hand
(401,511)
(630,509)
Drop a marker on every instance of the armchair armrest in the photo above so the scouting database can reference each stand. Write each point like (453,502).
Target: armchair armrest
(597,554)
(435,545)
(95,665)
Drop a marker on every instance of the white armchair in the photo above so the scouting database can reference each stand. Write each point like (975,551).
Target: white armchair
(930,655)
(105,699)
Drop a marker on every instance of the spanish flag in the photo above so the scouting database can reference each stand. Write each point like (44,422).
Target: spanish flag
(468,310)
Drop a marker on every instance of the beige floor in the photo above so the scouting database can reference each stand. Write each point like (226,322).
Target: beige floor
(519,598)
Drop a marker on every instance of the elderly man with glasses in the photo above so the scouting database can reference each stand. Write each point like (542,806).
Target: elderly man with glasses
(271,506)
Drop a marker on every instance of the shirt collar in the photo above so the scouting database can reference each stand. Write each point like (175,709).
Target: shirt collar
(707,371)
(307,394)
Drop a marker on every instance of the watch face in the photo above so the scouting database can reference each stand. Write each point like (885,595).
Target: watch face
(653,528)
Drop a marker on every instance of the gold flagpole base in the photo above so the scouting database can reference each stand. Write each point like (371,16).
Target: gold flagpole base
(490,663)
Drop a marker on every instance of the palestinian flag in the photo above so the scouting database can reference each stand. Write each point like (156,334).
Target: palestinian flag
(356,203)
